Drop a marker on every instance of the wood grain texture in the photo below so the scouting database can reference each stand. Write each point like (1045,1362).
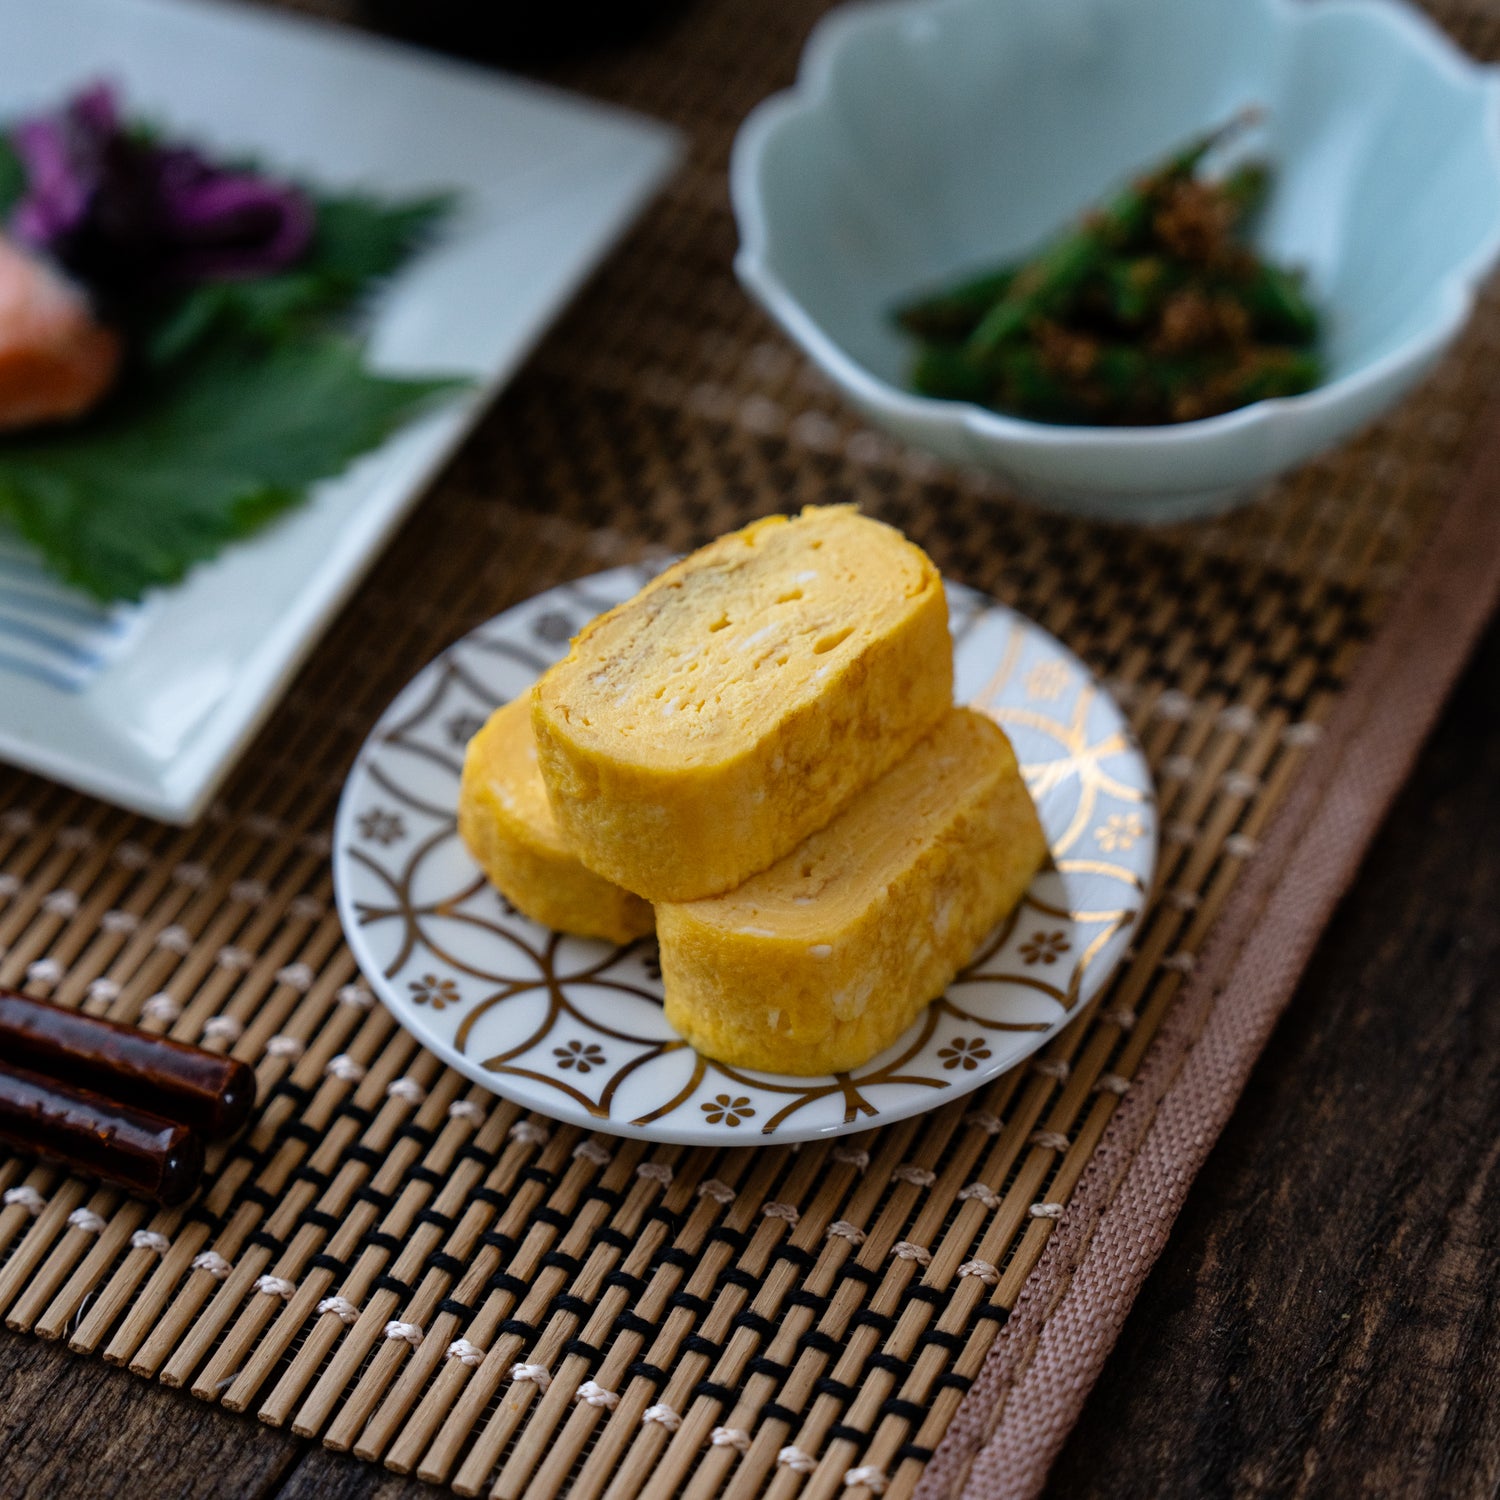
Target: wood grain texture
(1325,1319)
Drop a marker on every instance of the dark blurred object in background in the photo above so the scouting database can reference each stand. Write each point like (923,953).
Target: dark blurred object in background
(524,33)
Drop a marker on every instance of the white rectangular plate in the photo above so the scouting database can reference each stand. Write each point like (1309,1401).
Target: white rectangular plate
(149,708)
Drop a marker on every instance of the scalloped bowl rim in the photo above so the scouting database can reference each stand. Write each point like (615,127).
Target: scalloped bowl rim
(1456,296)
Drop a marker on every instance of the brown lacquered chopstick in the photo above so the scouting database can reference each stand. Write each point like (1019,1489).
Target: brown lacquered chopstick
(140,1152)
(212,1093)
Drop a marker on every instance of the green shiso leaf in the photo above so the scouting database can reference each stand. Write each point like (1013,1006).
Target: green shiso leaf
(182,463)
(359,242)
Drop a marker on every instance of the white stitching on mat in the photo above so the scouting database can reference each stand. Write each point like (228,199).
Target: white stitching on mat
(785,1211)
(212,1262)
(86,1220)
(341,1307)
(1112,1083)
(406,1088)
(596,1395)
(344,1068)
(1240,845)
(284,1046)
(161,1007)
(465,1352)
(720,1192)
(851,1156)
(356,996)
(798,1460)
(1049,1140)
(917,1176)
(275,1286)
(223,1028)
(410,1333)
(905,1250)
(466,1109)
(983,1120)
(846,1231)
(530,1133)
(663,1416)
(730,1437)
(655,1171)
(983,1192)
(149,1239)
(871,1477)
(988,1273)
(1052,1067)
(1046,1210)
(538,1375)
(25,1197)
(592,1151)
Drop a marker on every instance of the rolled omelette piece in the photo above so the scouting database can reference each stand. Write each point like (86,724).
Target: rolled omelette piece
(704,728)
(506,822)
(820,962)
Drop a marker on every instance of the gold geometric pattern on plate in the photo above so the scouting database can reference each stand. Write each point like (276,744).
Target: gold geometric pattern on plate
(574,1028)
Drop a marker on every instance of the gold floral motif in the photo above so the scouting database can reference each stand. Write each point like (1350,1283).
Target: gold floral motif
(381,827)
(1119,832)
(1046,681)
(578,1055)
(1045,947)
(430,990)
(964,1052)
(730,1111)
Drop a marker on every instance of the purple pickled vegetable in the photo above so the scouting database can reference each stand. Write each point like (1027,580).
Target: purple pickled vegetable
(129,216)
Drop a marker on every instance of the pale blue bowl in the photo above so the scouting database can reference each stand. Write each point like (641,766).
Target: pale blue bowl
(928,137)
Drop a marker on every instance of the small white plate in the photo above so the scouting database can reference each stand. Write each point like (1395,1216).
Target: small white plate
(149,707)
(575,1028)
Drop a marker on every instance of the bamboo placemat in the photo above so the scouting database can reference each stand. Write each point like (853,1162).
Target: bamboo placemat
(416,1271)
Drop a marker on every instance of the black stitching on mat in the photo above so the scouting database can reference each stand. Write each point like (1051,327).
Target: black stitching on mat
(720,1393)
(840,1392)
(520,1327)
(501,1282)
(695,1343)
(772,1412)
(383,1241)
(445,1222)
(394,1284)
(569,1263)
(458,1309)
(814,1339)
(450,1265)
(340,1268)
(915,1451)
(656,1376)
(908,1411)
(695,1305)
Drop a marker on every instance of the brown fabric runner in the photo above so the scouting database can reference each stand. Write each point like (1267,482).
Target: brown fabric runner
(1039,1373)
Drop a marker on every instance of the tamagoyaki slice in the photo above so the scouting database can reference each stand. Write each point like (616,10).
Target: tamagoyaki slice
(822,961)
(700,731)
(507,824)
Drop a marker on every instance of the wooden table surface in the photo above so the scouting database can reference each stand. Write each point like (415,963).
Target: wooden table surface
(1325,1320)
